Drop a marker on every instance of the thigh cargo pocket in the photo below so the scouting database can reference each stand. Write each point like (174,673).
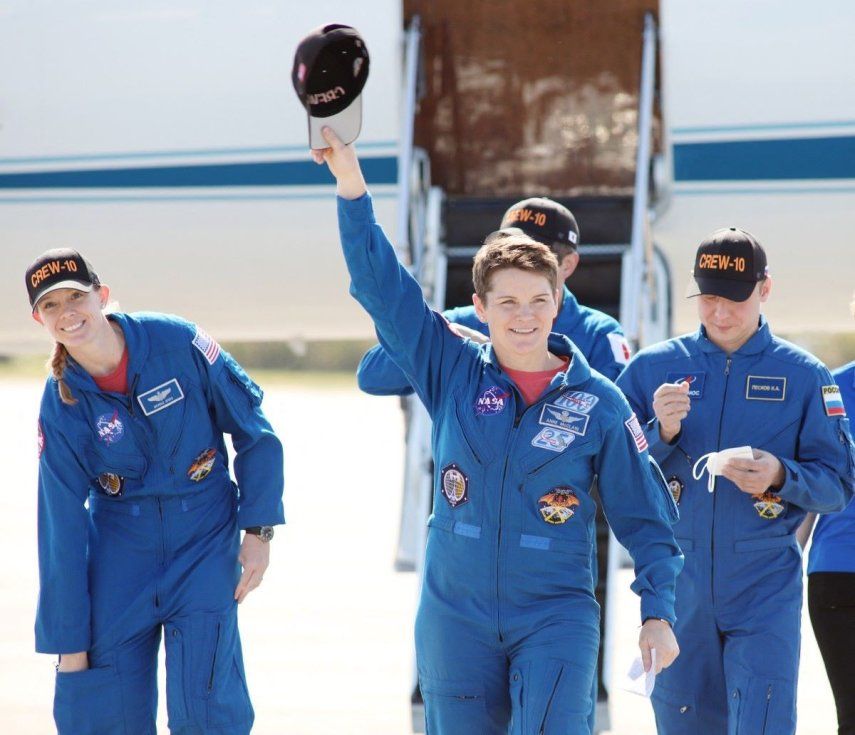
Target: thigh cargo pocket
(218,671)
(88,702)
(453,707)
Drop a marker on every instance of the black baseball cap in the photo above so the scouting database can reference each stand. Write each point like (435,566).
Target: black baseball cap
(330,70)
(729,263)
(59,268)
(544,220)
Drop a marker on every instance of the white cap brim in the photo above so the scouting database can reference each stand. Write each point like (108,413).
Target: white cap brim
(346,125)
(76,285)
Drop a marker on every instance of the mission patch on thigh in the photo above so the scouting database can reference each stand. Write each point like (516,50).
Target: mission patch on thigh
(558,505)
(455,485)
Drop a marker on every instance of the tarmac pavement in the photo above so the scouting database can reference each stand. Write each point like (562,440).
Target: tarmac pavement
(328,637)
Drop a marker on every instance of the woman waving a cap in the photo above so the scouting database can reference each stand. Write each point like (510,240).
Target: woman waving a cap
(507,627)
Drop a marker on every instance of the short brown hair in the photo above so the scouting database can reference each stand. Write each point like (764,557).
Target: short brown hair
(502,250)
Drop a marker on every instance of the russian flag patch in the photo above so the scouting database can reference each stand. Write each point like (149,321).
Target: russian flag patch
(832,401)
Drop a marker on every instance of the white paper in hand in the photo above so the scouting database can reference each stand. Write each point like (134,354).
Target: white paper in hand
(637,680)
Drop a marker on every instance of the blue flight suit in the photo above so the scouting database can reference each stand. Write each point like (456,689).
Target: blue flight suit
(739,595)
(139,529)
(596,335)
(833,545)
(507,626)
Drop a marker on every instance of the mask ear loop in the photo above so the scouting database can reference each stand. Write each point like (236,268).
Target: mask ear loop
(706,459)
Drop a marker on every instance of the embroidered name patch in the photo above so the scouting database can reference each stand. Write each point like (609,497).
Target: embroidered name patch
(562,418)
(558,505)
(695,380)
(636,432)
(163,396)
(455,485)
(578,401)
(207,345)
(620,347)
(110,427)
(555,440)
(764,388)
(833,401)
(492,401)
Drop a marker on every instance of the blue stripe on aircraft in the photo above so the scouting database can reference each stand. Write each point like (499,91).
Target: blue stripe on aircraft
(377,170)
(742,160)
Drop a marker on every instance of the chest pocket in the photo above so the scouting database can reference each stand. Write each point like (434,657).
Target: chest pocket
(114,474)
(474,432)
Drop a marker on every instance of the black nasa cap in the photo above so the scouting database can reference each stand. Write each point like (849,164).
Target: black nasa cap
(544,220)
(59,268)
(729,263)
(330,70)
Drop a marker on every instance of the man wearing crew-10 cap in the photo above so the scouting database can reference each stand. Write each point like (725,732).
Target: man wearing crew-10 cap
(733,385)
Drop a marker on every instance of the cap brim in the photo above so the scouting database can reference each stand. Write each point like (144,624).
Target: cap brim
(346,125)
(76,285)
(727,289)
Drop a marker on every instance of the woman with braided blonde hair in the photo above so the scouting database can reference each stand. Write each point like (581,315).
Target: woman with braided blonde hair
(138,516)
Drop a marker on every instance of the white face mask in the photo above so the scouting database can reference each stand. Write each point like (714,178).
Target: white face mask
(714,461)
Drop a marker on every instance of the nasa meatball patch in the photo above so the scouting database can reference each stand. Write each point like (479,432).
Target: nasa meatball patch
(491,401)
(110,428)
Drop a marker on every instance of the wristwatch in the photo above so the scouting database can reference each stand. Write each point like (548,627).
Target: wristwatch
(264,533)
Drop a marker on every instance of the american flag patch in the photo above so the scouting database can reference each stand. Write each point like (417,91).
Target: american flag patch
(636,433)
(207,345)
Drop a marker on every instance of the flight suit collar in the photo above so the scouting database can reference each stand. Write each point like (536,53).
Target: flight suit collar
(758,341)
(577,373)
(137,343)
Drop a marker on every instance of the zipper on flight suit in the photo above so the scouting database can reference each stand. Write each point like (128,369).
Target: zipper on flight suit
(715,494)
(518,417)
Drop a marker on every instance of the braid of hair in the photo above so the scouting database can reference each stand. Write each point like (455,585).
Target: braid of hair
(56,364)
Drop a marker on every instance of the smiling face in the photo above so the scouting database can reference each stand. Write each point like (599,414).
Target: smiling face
(73,318)
(730,324)
(519,309)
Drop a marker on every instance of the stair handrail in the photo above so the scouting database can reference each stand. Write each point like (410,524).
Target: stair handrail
(634,285)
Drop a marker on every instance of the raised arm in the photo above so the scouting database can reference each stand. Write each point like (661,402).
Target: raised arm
(416,338)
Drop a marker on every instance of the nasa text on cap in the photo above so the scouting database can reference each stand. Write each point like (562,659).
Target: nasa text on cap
(729,263)
(544,220)
(330,70)
(59,268)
